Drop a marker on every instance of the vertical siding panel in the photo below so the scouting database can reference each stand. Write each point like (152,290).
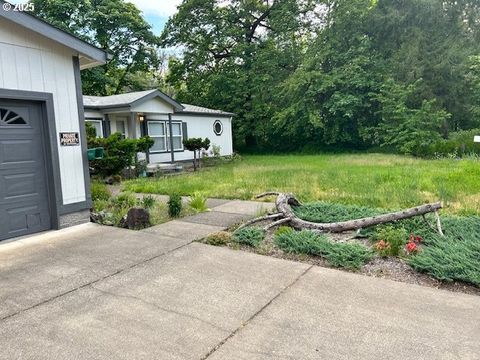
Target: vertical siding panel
(8,63)
(31,62)
(23,68)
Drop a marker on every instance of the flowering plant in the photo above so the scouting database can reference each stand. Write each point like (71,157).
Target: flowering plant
(411,247)
(383,247)
(415,238)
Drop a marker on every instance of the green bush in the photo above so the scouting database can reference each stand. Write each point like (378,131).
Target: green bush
(219,238)
(125,200)
(198,202)
(174,205)
(346,255)
(458,144)
(99,191)
(395,237)
(119,153)
(251,236)
(148,201)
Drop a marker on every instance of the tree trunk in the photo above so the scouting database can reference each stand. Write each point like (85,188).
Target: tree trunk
(284,203)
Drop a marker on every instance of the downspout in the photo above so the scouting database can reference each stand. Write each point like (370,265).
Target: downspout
(172,152)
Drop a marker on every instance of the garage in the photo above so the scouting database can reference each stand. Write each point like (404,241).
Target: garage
(44,179)
(24,199)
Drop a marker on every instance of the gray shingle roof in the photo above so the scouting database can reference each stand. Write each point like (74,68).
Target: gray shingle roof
(203,110)
(127,99)
(114,100)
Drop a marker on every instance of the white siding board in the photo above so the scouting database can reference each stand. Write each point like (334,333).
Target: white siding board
(31,62)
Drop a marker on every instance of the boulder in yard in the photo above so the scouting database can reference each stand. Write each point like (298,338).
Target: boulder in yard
(137,218)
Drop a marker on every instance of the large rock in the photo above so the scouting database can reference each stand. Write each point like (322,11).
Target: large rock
(137,218)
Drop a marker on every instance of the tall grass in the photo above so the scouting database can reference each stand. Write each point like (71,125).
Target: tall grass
(372,180)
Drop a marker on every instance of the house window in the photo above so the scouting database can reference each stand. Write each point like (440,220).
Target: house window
(177,136)
(218,127)
(97,125)
(156,130)
(120,125)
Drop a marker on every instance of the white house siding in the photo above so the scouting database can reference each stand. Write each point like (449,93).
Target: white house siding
(153,106)
(198,126)
(90,114)
(33,63)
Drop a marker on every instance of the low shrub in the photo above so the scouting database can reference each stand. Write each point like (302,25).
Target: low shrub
(459,144)
(345,255)
(219,238)
(148,201)
(100,191)
(251,236)
(198,202)
(390,240)
(454,256)
(174,205)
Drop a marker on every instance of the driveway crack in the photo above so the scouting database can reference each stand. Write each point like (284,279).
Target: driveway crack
(119,271)
(221,343)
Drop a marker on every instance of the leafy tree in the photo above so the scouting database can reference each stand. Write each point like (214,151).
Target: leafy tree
(234,55)
(196,145)
(410,130)
(114,26)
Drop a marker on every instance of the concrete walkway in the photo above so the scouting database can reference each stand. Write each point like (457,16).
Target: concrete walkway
(95,292)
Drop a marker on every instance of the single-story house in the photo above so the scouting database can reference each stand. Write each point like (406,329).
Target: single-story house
(44,178)
(157,115)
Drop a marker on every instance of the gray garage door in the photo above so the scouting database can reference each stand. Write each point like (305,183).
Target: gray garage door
(24,204)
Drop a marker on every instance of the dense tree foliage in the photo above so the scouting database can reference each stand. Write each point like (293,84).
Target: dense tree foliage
(115,26)
(353,73)
(299,74)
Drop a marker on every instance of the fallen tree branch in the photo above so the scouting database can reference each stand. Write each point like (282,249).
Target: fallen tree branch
(261,218)
(276,223)
(284,203)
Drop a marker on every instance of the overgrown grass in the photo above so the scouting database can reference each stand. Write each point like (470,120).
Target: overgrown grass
(345,255)
(369,180)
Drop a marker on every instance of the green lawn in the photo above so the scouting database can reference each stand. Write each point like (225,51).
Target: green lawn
(373,180)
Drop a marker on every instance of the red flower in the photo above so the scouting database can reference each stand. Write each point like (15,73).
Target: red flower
(411,247)
(418,239)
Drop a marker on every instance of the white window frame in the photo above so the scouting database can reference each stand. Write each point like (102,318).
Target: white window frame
(158,136)
(101,125)
(177,136)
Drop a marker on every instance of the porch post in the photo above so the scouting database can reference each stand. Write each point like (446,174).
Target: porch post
(132,126)
(172,152)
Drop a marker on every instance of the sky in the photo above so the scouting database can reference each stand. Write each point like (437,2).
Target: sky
(156,12)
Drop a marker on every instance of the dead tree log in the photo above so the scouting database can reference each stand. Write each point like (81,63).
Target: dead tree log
(284,203)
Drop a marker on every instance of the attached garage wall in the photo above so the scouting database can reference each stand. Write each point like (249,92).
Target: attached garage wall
(30,62)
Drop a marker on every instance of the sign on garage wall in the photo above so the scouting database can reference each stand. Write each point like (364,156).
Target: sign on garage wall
(69,139)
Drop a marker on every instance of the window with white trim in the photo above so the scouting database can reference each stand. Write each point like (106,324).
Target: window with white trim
(97,125)
(177,136)
(156,130)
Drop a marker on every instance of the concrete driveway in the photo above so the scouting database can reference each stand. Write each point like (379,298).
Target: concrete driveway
(94,292)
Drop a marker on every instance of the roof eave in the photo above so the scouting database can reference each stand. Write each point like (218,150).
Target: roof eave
(206,114)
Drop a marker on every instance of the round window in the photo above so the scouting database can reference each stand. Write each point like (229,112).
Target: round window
(218,127)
